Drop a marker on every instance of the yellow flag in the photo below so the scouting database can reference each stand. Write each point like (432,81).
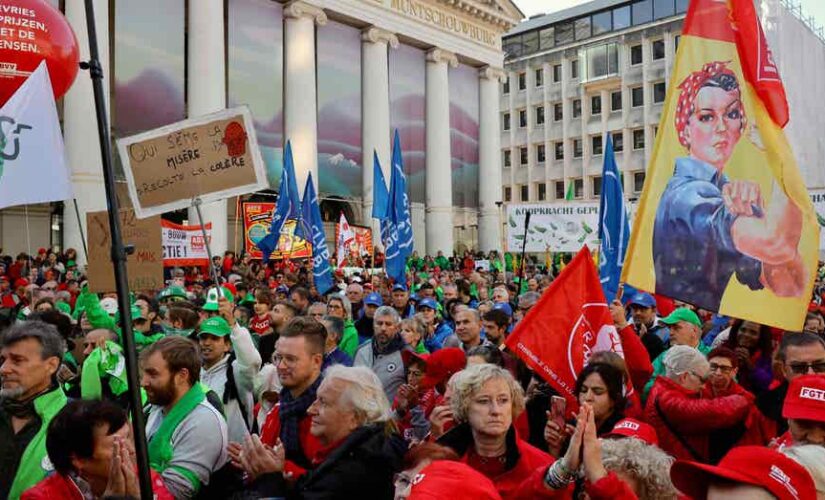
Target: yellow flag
(725,222)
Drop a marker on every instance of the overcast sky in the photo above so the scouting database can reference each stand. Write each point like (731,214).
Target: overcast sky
(815,8)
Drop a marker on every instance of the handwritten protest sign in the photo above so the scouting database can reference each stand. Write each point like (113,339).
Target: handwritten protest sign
(211,157)
(144,267)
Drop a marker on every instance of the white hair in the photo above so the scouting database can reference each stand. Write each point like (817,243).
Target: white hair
(645,463)
(363,393)
(681,359)
(812,457)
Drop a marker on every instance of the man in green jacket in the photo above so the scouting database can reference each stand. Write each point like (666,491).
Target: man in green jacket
(29,398)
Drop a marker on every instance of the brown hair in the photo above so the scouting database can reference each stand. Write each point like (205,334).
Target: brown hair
(312,330)
(264,297)
(428,451)
(185,315)
(290,306)
(179,353)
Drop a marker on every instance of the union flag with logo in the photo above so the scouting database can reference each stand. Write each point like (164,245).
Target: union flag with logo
(725,221)
(567,325)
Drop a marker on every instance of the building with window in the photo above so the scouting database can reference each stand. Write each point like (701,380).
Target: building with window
(605,68)
(336,78)
(604,65)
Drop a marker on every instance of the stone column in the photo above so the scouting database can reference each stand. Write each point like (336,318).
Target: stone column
(439,171)
(80,128)
(489,159)
(300,90)
(375,110)
(206,93)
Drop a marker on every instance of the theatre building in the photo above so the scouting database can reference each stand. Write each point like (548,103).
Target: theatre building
(334,77)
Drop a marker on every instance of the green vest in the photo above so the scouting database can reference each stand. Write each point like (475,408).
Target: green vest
(35,463)
(160,446)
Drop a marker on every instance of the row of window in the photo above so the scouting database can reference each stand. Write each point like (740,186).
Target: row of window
(603,60)
(596,148)
(561,189)
(618,18)
(637,100)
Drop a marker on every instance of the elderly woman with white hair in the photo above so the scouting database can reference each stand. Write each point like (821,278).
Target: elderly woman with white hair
(485,400)
(339,306)
(361,450)
(682,418)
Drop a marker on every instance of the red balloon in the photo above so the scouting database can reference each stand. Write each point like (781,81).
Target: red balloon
(31,31)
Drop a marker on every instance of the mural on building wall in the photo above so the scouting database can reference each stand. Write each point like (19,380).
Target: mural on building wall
(408,73)
(339,110)
(255,69)
(149,65)
(464,135)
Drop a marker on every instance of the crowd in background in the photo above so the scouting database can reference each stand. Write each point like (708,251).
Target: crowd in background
(263,387)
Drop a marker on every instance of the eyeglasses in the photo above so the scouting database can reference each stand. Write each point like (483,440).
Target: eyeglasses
(802,368)
(700,377)
(720,368)
(402,481)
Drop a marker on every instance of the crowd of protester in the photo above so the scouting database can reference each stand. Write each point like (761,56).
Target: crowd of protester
(263,388)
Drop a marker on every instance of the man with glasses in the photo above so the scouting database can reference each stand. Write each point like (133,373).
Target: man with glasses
(799,354)
(684,420)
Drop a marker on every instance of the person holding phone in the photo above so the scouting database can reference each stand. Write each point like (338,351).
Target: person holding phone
(601,386)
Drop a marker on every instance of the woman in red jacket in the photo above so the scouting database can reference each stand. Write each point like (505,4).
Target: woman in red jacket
(485,400)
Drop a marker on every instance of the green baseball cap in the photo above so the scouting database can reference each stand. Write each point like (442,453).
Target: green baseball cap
(212,298)
(682,314)
(248,299)
(173,291)
(216,326)
(63,307)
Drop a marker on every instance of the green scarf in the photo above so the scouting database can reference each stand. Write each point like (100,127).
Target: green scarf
(35,463)
(160,446)
(99,363)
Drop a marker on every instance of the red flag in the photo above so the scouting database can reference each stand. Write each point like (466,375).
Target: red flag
(568,323)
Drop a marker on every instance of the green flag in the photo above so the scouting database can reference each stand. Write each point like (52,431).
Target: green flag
(571,194)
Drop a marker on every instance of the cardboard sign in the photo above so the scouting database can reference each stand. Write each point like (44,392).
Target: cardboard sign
(212,158)
(144,267)
(184,245)
(257,217)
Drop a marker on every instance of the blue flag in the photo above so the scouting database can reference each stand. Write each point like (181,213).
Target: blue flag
(288,207)
(380,198)
(614,230)
(313,225)
(399,238)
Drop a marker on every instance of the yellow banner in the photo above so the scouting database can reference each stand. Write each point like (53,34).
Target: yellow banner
(724,221)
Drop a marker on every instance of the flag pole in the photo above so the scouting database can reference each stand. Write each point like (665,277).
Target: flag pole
(80,226)
(523,250)
(28,234)
(118,255)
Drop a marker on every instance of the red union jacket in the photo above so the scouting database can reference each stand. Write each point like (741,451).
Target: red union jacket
(58,486)
(691,417)
(271,431)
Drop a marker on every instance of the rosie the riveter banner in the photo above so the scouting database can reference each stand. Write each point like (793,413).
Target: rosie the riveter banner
(183,245)
(257,217)
(724,221)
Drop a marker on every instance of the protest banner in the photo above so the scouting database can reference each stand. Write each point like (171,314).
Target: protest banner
(725,221)
(211,158)
(144,266)
(361,245)
(257,217)
(818,199)
(184,245)
(558,227)
(482,264)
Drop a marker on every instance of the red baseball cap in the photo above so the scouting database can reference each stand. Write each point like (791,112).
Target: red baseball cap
(783,477)
(630,427)
(806,398)
(443,364)
(456,480)
(21,282)
(408,355)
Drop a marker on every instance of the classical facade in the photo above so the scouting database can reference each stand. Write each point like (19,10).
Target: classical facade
(334,77)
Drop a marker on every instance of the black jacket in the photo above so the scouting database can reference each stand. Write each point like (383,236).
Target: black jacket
(362,467)
(770,403)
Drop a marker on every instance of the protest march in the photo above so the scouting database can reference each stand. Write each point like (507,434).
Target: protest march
(671,351)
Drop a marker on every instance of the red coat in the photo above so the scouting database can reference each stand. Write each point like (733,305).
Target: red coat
(610,487)
(759,429)
(58,486)
(636,357)
(691,417)
(271,430)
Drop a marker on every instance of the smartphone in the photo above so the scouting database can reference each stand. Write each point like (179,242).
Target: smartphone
(558,406)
